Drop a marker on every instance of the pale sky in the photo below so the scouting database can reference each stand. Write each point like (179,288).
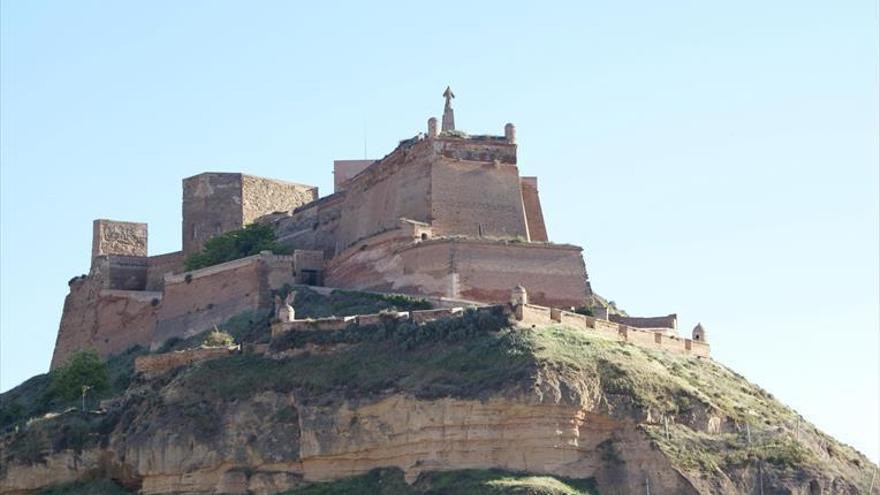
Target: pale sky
(716,160)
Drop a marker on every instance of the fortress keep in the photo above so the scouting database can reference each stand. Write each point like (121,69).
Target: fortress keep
(444,215)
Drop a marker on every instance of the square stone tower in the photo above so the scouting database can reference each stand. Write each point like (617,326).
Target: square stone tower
(214,203)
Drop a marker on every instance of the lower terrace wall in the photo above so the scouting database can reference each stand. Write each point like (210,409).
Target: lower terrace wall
(669,321)
(195,301)
(470,269)
(534,316)
(156,364)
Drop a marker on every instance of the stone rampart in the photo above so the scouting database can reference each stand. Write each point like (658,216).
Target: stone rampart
(397,186)
(477,199)
(668,321)
(159,266)
(341,322)
(534,213)
(472,269)
(197,300)
(534,316)
(157,364)
(107,321)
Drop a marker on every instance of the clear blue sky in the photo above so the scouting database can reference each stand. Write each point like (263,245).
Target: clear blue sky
(717,160)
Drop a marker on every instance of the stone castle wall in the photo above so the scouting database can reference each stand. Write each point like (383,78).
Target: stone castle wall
(538,316)
(160,265)
(669,321)
(478,270)
(196,301)
(211,206)
(262,196)
(108,321)
(476,199)
(398,186)
(534,214)
(312,226)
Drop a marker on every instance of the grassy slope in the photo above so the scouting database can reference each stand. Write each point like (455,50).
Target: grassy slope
(479,355)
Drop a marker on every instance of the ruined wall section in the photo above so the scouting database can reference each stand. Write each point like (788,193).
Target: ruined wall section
(261,196)
(159,265)
(111,237)
(398,186)
(534,214)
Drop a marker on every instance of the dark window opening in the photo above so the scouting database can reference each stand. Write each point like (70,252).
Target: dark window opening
(309,277)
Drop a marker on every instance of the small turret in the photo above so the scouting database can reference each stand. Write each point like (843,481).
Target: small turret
(699,333)
(510,133)
(432,128)
(519,296)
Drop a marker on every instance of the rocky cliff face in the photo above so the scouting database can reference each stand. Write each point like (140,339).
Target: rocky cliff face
(467,394)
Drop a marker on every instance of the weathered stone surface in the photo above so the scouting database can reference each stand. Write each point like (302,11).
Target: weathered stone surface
(214,203)
(120,238)
(477,270)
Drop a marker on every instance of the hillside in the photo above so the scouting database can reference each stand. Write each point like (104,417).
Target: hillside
(467,405)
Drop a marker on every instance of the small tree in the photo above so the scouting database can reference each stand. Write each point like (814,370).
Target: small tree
(84,372)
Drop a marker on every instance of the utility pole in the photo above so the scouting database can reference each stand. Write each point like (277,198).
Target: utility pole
(85,388)
(647,486)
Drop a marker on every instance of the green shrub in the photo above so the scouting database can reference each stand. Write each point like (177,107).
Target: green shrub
(236,244)
(218,338)
(83,369)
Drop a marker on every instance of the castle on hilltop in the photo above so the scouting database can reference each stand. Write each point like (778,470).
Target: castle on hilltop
(445,215)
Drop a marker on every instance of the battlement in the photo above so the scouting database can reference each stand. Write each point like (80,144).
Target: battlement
(540,316)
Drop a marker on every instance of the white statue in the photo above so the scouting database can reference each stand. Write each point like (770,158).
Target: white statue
(284,309)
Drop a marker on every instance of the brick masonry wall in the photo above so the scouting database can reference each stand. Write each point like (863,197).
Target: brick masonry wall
(534,213)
